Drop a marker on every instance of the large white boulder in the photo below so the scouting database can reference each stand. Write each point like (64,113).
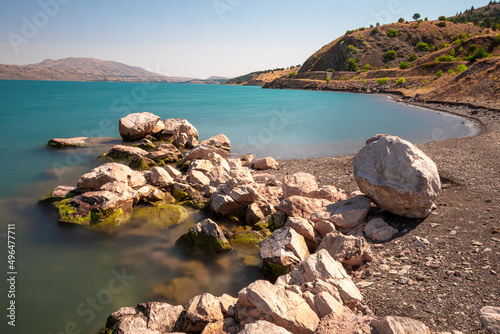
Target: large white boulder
(137,126)
(397,176)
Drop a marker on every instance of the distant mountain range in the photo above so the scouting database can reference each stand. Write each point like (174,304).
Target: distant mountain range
(90,69)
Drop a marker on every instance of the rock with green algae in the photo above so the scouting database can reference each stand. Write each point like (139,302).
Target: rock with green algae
(96,207)
(107,218)
(247,238)
(141,163)
(206,237)
(162,215)
(58,194)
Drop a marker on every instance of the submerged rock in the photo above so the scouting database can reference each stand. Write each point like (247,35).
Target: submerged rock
(68,142)
(137,126)
(397,176)
(206,237)
(163,215)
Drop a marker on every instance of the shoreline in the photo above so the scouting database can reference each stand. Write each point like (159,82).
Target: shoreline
(467,215)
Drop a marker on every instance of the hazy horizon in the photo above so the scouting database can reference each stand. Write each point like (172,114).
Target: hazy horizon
(195,39)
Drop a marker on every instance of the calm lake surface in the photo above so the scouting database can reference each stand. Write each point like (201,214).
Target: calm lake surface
(69,278)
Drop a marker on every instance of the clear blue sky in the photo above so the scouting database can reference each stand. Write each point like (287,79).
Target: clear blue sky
(194,38)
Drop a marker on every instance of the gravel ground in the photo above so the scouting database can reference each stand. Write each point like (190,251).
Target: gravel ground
(446,284)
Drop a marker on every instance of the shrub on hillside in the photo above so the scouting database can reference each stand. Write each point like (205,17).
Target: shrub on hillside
(497,39)
(441,24)
(401,20)
(366,67)
(382,81)
(442,18)
(330,70)
(439,73)
(404,65)
(352,64)
(400,81)
(422,46)
(412,58)
(392,33)
(375,31)
(391,54)
(445,58)
(352,49)
(291,75)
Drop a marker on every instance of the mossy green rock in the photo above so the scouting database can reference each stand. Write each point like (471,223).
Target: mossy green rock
(179,195)
(206,238)
(108,218)
(265,223)
(247,238)
(163,215)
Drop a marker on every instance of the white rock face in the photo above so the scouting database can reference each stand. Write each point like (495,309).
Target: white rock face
(201,311)
(103,174)
(285,308)
(399,325)
(321,267)
(265,163)
(173,128)
(299,184)
(219,141)
(490,317)
(263,327)
(345,214)
(348,250)
(285,248)
(397,176)
(378,229)
(138,125)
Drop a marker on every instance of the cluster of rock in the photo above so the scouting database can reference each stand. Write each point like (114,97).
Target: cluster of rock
(307,234)
(296,303)
(202,175)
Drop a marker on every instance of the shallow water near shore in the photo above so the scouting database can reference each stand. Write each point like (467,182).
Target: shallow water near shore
(70,277)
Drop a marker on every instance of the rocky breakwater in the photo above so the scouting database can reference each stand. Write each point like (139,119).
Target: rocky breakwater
(309,236)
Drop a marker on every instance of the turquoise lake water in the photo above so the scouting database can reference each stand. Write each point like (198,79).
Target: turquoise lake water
(71,279)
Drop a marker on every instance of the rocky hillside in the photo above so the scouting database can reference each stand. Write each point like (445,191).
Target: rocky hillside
(81,69)
(430,61)
(262,77)
(369,47)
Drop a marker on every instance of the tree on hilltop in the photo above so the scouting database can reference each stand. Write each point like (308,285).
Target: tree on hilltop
(416,16)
